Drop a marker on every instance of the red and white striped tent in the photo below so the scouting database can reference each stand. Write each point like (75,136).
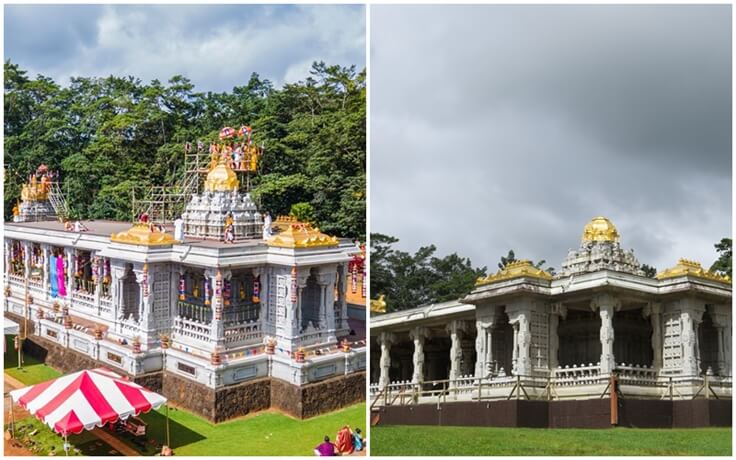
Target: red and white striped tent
(85,400)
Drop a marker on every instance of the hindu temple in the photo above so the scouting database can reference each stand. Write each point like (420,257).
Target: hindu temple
(221,310)
(596,344)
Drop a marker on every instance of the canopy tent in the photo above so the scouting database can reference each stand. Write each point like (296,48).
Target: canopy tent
(85,400)
(11,327)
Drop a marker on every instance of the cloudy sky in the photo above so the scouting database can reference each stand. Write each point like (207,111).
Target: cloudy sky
(497,127)
(217,47)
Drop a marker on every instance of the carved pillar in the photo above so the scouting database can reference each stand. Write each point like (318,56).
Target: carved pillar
(655,316)
(484,347)
(720,316)
(385,340)
(326,282)
(69,266)
(27,247)
(46,270)
(8,256)
(98,270)
(302,276)
(519,316)
(557,311)
(117,274)
(456,329)
(343,296)
(418,335)
(215,277)
(606,305)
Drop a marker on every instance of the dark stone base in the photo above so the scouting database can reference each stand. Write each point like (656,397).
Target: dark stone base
(317,398)
(223,403)
(590,413)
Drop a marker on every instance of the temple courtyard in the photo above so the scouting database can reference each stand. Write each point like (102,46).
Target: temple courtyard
(471,441)
(264,433)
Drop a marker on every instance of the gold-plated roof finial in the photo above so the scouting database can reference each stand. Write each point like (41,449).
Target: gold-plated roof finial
(600,229)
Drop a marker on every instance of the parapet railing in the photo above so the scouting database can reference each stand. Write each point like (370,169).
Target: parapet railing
(632,382)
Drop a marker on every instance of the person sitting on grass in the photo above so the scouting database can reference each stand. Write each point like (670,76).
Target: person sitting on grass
(326,449)
(344,441)
(358,442)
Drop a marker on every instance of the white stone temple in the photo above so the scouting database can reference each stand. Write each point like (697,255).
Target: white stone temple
(204,311)
(523,332)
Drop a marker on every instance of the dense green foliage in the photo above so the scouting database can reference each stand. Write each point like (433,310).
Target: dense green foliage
(723,264)
(467,441)
(107,135)
(409,280)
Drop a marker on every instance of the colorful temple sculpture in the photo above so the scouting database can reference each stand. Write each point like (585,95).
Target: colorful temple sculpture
(221,327)
(37,198)
(524,333)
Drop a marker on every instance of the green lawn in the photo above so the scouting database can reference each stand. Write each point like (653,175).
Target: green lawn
(469,441)
(267,433)
(32,372)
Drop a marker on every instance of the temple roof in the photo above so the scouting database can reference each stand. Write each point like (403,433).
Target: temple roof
(142,234)
(299,235)
(515,269)
(600,229)
(687,267)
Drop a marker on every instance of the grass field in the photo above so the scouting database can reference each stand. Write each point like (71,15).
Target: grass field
(469,441)
(32,372)
(267,433)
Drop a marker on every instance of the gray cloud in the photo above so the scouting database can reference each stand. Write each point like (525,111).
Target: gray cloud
(216,46)
(497,127)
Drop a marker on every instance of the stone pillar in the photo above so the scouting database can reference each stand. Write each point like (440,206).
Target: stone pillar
(98,281)
(326,282)
(343,296)
(302,276)
(606,304)
(69,265)
(519,320)
(117,273)
(655,316)
(484,353)
(385,340)
(8,257)
(46,270)
(557,311)
(27,247)
(456,329)
(217,330)
(418,335)
(721,318)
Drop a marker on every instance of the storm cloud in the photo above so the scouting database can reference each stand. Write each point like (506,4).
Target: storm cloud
(497,127)
(216,46)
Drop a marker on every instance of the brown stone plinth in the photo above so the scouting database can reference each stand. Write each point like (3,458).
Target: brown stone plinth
(589,413)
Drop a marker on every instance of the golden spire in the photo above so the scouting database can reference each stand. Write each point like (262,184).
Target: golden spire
(600,229)
(221,178)
(687,267)
(515,269)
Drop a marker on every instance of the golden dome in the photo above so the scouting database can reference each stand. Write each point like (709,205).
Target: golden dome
(221,179)
(600,229)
